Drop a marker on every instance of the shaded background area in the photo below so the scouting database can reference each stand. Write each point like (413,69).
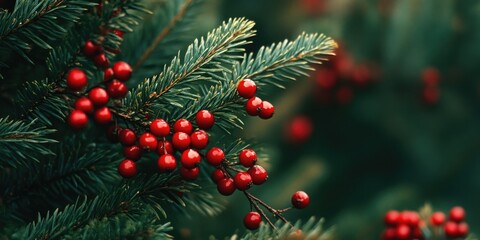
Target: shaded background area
(391,123)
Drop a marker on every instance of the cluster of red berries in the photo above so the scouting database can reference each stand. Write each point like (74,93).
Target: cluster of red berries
(97,98)
(337,79)
(255,106)
(183,139)
(430,92)
(456,227)
(253,219)
(405,225)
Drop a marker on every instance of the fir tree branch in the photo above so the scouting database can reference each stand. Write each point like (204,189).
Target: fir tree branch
(163,33)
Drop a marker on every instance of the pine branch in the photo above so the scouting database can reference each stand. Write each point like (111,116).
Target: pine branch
(37,22)
(21,144)
(201,59)
(312,229)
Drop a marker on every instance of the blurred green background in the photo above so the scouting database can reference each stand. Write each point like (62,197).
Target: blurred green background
(373,130)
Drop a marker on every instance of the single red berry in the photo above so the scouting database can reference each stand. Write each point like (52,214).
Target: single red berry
(127,137)
(127,168)
(300,199)
(462,229)
(76,79)
(246,88)
(259,174)
(392,218)
(122,71)
(167,163)
(417,233)
(84,104)
(183,125)
(403,232)
(98,96)
(226,186)
(266,110)
(389,234)
(326,78)
(77,119)
(190,158)
(113,131)
(118,33)
(431,95)
(430,77)
(218,175)
(133,152)
(117,89)
(437,218)
(204,119)
(243,181)
(102,115)
(107,74)
(410,218)
(164,147)
(148,141)
(199,139)
(457,214)
(451,229)
(248,157)
(253,106)
(252,220)
(101,60)
(91,49)
(299,129)
(215,156)
(189,174)
(181,141)
(160,128)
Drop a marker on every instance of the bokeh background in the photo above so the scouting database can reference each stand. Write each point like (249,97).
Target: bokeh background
(392,122)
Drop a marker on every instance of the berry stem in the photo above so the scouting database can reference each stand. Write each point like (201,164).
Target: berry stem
(276,213)
(255,205)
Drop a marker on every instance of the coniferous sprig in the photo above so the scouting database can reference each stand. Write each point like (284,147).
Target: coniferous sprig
(203,60)
(37,22)
(21,143)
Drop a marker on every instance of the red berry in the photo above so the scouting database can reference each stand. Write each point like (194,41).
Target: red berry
(253,106)
(107,74)
(98,96)
(403,231)
(252,220)
(189,174)
(183,125)
(451,229)
(258,173)
(113,131)
(199,139)
(84,104)
(430,95)
(437,218)
(164,147)
(266,110)
(118,32)
(218,175)
(76,79)
(122,71)
(299,129)
(462,229)
(117,89)
(190,158)
(430,76)
(204,119)
(133,152)
(389,234)
(226,186)
(101,60)
(326,78)
(215,156)
(127,168)
(300,199)
(392,218)
(457,214)
(248,157)
(91,49)
(181,141)
(410,218)
(243,181)
(127,137)
(167,163)
(246,88)
(77,119)
(148,141)
(160,128)
(102,115)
